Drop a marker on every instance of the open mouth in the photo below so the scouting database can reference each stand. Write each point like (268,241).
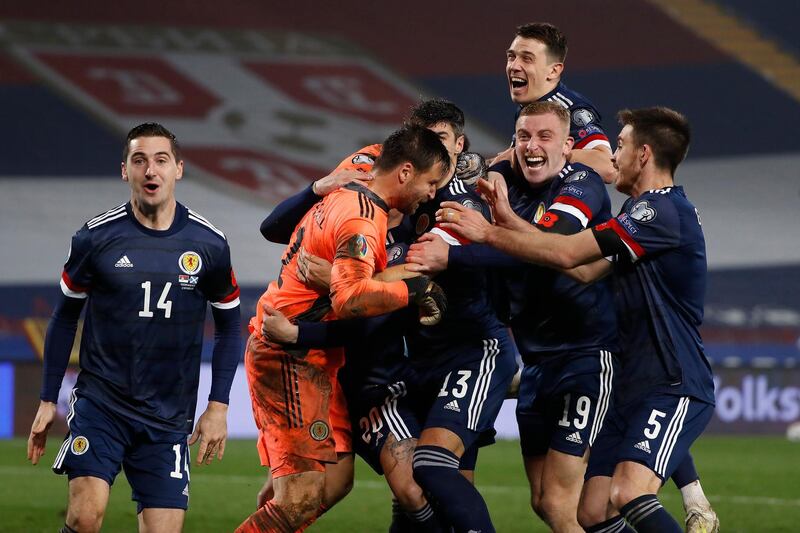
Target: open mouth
(151,187)
(535,162)
(517,82)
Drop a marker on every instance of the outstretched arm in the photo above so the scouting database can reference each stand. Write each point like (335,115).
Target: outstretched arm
(547,249)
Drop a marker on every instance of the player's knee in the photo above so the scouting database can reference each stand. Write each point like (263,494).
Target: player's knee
(623,492)
(86,520)
(551,507)
(589,515)
(301,504)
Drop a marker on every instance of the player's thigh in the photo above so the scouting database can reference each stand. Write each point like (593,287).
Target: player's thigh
(660,429)
(397,462)
(562,475)
(88,499)
(383,415)
(157,468)
(338,479)
(595,503)
(303,490)
(534,466)
(153,520)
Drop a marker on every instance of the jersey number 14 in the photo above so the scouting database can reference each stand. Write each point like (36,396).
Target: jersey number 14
(162,303)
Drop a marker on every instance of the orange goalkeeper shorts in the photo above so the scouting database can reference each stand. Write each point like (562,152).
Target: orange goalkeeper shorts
(292,402)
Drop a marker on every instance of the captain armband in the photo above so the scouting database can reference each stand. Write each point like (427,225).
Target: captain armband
(607,239)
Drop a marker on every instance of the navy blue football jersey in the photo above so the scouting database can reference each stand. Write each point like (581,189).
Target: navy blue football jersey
(147,292)
(379,358)
(660,282)
(470,317)
(550,314)
(585,121)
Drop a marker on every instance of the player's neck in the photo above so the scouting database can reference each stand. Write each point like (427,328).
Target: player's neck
(383,188)
(158,218)
(550,87)
(652,180)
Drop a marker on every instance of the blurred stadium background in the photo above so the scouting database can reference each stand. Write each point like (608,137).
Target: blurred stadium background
(265,98)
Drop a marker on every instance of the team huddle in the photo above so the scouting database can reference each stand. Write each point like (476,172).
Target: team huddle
(419,288)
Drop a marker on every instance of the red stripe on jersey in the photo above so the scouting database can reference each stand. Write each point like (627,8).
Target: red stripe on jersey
(231,297)
(453,234)
(574,202)
(626,237)
(74,287)
(586,140)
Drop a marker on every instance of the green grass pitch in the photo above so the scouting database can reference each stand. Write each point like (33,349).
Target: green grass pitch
(753,483)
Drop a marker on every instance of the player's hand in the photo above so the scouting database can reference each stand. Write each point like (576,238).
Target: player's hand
(465,221)
(428,255)
(37,440)
(505,155)
(338,179)
(470,166)
(266,493)
(432,305)
(313,271)
(275,327)
(212,431)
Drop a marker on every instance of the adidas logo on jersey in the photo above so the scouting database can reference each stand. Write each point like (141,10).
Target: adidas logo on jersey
(124,262)
(453,406)
(575,437)
(644,446)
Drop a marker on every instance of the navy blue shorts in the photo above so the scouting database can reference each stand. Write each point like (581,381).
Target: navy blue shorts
(562,403)
(378,411)
(656,431)
(100,443)
(466,393)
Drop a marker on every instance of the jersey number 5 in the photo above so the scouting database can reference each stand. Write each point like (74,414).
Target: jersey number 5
(162,303)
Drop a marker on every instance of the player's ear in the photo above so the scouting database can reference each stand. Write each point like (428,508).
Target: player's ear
(460,144)
(555,71)
(180,170)
(405,172)
(645,153)
(124,171)
(568,144)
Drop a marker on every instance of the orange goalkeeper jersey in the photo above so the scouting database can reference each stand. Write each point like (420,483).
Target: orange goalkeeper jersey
(348,229)
(362,160)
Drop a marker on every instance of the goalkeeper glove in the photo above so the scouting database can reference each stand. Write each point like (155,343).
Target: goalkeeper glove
(429,297)
(470,166)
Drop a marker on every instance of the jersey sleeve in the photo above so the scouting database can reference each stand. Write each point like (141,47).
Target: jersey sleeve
(585,128)
(353,291)
(76,278)
(648,225)
(580,197)
(457,191)
(221,287)
(361,160)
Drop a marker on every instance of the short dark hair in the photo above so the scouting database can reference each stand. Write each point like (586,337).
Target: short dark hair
(430,112)
(152,129)
(415,144)
(550,35)
(663,129)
